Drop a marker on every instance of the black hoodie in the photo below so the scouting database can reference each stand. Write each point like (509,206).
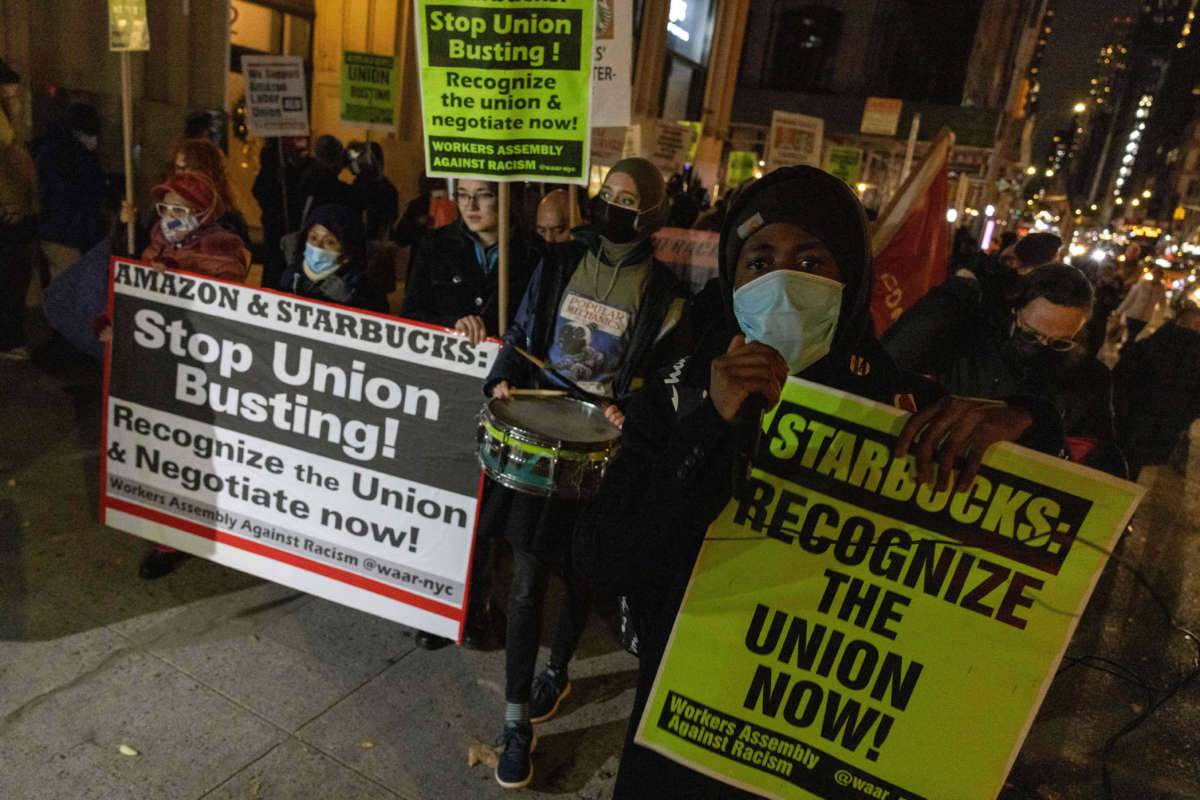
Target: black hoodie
(641,535)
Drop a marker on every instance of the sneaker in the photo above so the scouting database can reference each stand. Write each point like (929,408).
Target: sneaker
(158,563)
(548,690)
(20,353)
(430,641)
(514,769)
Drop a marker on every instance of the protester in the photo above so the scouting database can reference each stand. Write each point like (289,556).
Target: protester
(795,265)
(1111,285)
(376,195)
(202,155)
(1030,252)
(277,190)
(332,266)
(553,222)
(319,181)
(18,218)
(453,281)
(72,185)
(452,277)
(1143,301)
(1156,390)
(189,238)
(606,272)
(429,210)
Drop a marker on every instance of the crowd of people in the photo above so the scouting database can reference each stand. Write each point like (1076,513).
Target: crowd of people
(1003,350)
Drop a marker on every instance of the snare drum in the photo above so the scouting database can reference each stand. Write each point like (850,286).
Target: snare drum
(546,446)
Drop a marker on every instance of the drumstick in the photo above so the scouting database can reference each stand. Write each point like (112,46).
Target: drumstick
(577,389)
(537,392)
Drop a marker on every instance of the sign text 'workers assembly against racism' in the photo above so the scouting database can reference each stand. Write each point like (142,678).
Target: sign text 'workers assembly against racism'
(847,633)
(505,88)
(322,448)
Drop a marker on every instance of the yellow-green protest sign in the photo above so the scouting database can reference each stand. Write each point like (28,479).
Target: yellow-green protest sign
(740,167)
(848,634)
(505,88)
(127,26)
(369,90)
(696,129)
(845,163)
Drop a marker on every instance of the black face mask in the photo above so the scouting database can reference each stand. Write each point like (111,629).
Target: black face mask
(615,223)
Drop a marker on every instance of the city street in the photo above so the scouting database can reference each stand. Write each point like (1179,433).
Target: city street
(224,686)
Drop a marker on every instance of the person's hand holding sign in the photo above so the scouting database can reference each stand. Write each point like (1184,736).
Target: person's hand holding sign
(472,327)
(502,391)
(957,426)
(746,368)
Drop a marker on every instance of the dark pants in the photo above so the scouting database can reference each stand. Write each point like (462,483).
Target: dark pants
(17,261)
(531,575)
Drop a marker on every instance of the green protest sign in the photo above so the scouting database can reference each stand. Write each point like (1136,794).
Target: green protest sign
(127,26)
(844,162)
(504,89)
(848,634)
(369,90)
(740,167)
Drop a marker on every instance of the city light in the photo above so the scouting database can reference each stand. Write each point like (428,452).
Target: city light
(1080,108)
(989,210)
(951,215)
(1099,255)
(1031,170)
(1049,173)
(1146,193)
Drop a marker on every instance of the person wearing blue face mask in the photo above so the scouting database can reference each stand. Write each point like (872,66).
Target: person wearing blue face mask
(795,270)
(331,267)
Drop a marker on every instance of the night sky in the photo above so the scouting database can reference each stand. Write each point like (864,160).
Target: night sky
(1069,61)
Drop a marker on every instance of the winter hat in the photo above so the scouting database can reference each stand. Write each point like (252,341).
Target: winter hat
(8,74)
(329,151)
(342,222)
(825,207)
(197,189)
(1037,249)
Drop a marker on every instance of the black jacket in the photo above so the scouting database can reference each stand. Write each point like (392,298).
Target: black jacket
(660,332)
(446,282)
(641,535)
(1157,393)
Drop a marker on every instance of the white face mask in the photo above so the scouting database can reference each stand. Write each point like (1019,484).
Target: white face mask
(89,141)
(794,312)
(176,229)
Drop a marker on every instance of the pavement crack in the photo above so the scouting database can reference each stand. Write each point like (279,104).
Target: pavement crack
(17,714)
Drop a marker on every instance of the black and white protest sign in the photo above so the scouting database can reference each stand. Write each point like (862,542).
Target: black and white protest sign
(324,448)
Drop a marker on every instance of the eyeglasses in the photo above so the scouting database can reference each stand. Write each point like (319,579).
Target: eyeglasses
(478,199)
(1032,336)
(172,211)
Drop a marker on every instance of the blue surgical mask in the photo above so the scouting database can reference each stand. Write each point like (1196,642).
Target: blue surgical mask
(318,260)
(176,229)
(794,312)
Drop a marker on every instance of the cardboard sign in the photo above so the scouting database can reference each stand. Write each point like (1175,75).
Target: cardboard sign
(668,149)
(326,449)
(369,91)
(127,25)
(848,634)
(612,63)
(794,139)
(276,102)
(505,88)
(845,162)
(608,145)
(881,116)
(740,167)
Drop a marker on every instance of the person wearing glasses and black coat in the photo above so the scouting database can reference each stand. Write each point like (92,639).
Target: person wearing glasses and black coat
(1025,346)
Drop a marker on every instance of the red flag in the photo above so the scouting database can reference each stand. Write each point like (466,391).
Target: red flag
(911,240)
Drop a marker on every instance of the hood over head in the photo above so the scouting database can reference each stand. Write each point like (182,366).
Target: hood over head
(822,205)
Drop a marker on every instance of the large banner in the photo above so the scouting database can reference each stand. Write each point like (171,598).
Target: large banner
(849,634)
(505,88)
(276,102)
(323,448)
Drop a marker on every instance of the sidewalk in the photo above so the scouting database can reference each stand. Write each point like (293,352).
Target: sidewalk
(227,686)
(230,687)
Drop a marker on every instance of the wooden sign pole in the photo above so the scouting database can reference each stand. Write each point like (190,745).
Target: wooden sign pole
(127,125)
(502,262)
